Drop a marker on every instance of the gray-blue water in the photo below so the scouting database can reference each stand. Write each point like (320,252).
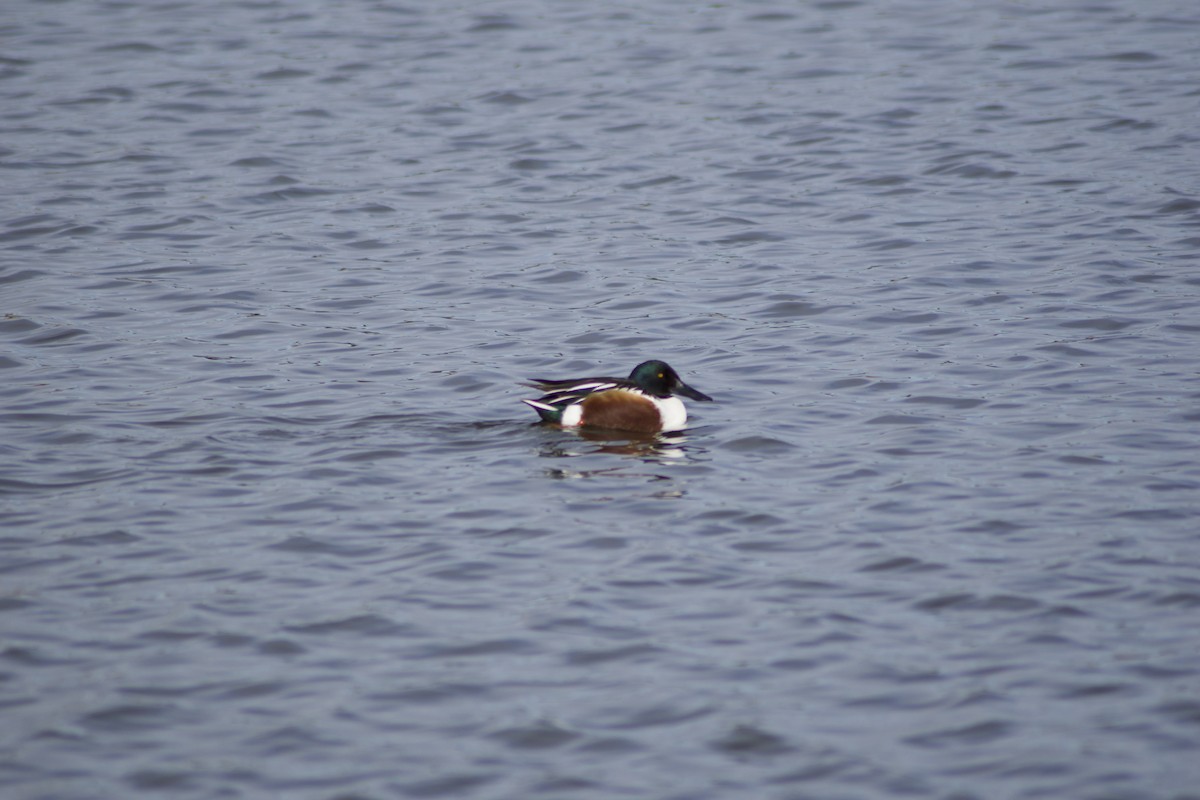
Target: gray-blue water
(274,523)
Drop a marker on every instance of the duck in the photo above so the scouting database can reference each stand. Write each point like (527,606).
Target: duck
(646,402)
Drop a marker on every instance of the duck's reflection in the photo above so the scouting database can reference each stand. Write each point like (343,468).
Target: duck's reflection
(657,448)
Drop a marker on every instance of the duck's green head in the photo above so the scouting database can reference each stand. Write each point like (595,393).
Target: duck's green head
(658,379)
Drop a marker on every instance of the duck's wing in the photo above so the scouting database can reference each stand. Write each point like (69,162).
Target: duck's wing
(559,395)
(575,389)
(575,384)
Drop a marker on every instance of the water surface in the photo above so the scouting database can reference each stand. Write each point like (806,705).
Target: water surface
(274,523)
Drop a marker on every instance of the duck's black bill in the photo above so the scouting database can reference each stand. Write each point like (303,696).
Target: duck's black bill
(688,391)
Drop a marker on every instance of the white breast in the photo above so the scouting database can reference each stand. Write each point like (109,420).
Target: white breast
(673,413)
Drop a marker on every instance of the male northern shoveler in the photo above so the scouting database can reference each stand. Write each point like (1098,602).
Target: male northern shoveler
(645,401)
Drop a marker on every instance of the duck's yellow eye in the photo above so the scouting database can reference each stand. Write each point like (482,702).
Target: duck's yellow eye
(661,375)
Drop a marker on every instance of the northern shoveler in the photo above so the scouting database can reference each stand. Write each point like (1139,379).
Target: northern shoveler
(645,401)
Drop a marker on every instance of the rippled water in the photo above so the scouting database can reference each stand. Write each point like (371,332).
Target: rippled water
(274,523)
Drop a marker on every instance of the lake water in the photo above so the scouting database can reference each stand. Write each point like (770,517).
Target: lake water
(273,522)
